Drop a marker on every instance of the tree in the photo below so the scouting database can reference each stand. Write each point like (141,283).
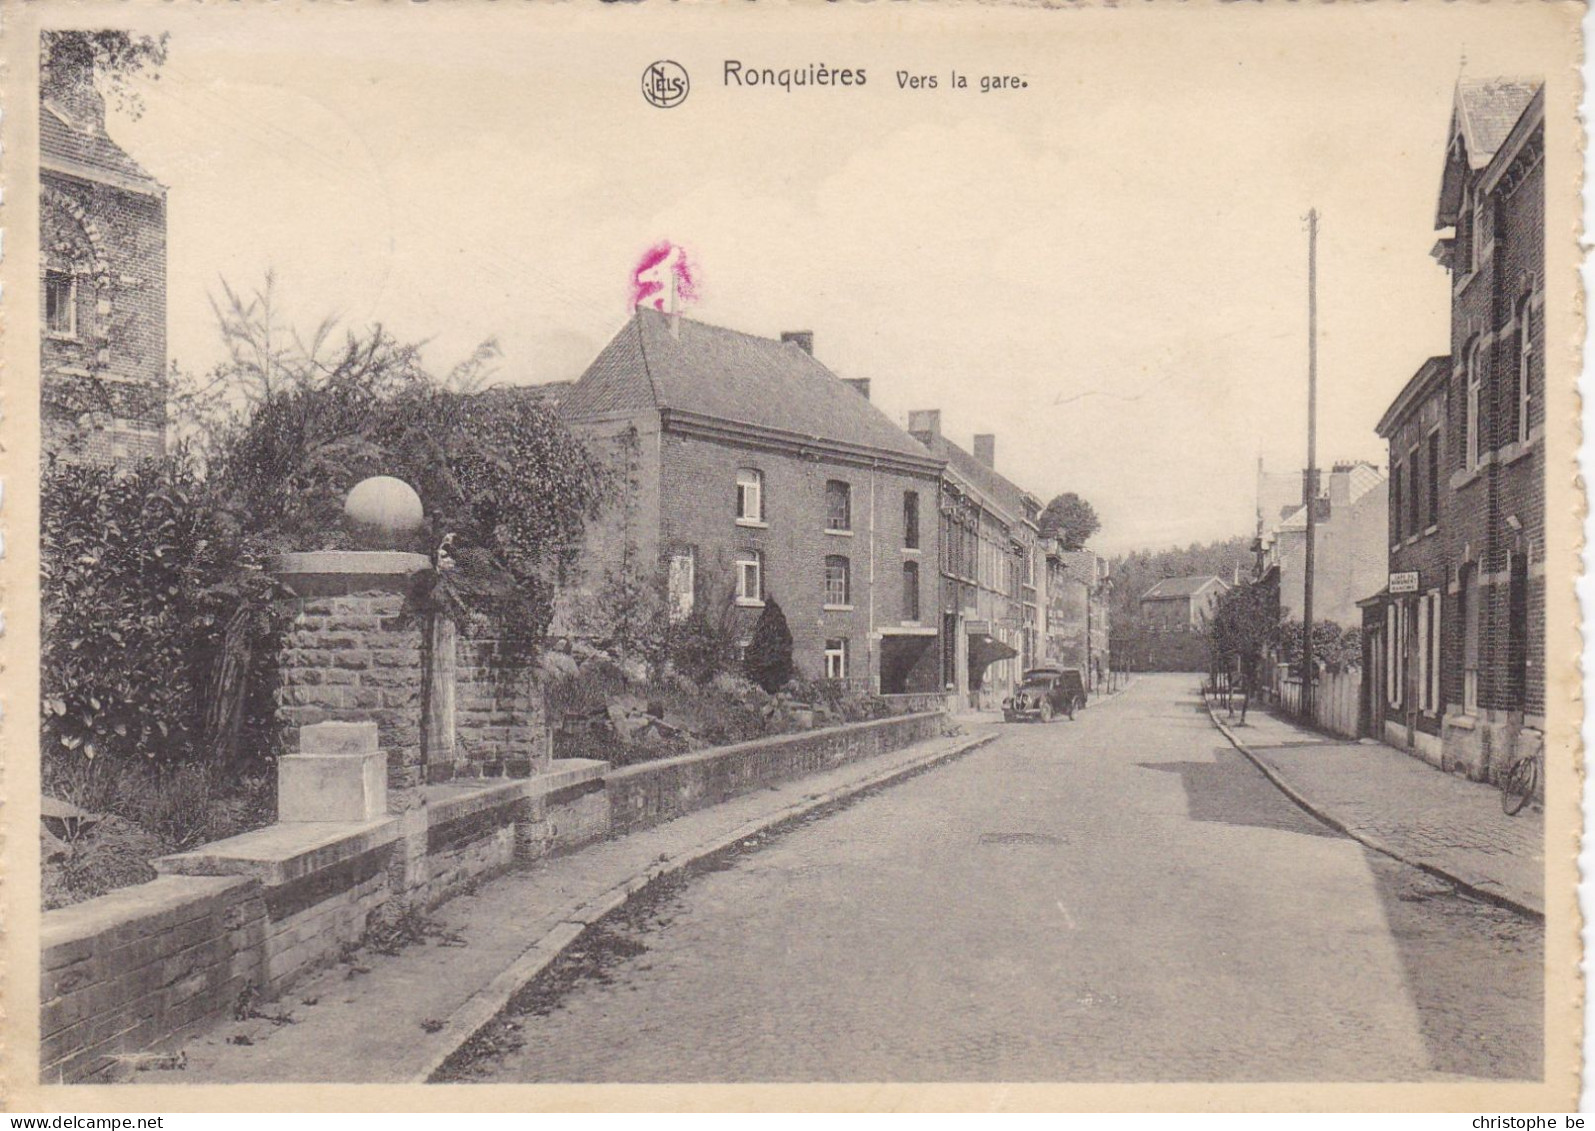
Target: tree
(1070,518)
(81,56)
(769,658)
(1244,624)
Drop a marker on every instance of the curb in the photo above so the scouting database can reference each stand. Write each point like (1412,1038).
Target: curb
(574,919)
(1492,897)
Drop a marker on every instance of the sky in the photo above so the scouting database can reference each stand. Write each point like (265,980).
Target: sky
(1106,268)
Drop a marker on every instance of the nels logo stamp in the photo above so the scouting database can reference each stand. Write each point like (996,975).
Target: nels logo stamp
(665,84)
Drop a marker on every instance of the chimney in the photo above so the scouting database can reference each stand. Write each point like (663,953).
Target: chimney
(67,84)
(924,424)
(803,340)
(986,449)
(1340,485)
(1311,486)
(860,385)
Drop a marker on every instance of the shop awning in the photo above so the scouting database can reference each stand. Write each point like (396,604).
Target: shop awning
(985,650)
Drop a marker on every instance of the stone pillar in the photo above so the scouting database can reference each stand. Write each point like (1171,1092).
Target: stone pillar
(352,653)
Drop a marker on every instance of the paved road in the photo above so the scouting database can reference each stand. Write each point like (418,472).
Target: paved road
(1119,898)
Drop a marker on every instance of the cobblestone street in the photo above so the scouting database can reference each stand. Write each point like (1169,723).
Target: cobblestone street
(1124,897)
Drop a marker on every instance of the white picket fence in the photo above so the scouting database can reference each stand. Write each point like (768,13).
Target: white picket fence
(1336,699)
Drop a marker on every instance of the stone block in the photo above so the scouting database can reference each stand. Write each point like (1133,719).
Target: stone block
(338,738)
(333,787)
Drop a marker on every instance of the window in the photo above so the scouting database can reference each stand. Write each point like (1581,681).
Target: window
(1395,502)
(1423,653)
(1470,638)
(837,582)
(60,304)
(683,582)
(911,591)
(1525,360)
(1432,480)
(1473,446)
(1414,497)
(1392,658)
(911,520)
(1467,228)
(1517,632)
(750,495)
(750,577)
(1434,651)
(836,659)
(838,505)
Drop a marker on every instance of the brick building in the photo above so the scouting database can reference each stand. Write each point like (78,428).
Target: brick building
(1404,623)
(1460,646)
(993,579)
(102,284)
(1078,589)
(747,468)
(1181,604)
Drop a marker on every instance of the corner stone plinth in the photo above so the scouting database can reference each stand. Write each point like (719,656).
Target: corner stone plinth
(339,774)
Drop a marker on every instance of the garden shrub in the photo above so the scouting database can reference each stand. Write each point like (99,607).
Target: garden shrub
(769,656)
(146,598)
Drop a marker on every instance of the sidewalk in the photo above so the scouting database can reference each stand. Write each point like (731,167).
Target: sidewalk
(395,1018)
(1401,806)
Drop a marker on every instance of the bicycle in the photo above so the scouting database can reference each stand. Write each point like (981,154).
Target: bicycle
(1519,783)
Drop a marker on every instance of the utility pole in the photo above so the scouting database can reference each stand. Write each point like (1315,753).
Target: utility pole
(1312,464)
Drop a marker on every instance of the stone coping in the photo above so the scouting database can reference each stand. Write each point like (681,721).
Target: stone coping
(120,912)
(712,753)
(290,850)
(349,561)
(282,852)
(458,799)
(334,573)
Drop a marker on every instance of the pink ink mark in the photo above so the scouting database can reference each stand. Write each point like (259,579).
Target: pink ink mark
(664,279)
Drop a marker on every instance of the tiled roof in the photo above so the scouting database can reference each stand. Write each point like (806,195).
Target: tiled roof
(1177,587)
(729,376)
(1485,112)
(1000,490)
(90,148)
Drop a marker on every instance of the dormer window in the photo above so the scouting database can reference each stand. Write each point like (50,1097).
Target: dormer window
(60,304)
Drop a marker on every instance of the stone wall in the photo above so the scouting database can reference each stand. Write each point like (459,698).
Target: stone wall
(141,965)
(654,792)
(500,727)
(247,918)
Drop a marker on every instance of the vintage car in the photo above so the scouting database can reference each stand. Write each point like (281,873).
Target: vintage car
(1044,694)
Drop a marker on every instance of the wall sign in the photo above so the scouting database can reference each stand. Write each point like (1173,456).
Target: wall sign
(1404,582)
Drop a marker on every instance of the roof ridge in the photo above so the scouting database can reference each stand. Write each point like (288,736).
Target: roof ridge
(642,352)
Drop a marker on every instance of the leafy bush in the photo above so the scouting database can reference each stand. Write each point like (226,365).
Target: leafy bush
(495,467)
(148,602)
(1335,648)
(769,656)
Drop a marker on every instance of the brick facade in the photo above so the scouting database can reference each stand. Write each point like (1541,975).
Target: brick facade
(1483,556)
(694,493)
(102,290)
